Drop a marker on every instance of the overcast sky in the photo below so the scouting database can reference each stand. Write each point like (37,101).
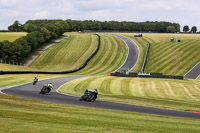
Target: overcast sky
(184,12)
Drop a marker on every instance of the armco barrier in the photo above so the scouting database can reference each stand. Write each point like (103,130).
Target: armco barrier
(63,72)
(145,58)
(147,75)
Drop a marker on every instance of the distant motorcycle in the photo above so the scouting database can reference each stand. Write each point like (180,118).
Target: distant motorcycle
(34,82)
(45,90)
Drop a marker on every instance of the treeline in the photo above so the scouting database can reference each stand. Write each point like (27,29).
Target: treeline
(148,26)
(39,32)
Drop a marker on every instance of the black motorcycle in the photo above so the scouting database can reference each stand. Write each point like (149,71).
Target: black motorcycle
(88,96)
(34,82)
(45,90)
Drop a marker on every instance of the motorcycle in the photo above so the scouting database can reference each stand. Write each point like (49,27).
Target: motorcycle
(34,82)
(88,96)
(44,90)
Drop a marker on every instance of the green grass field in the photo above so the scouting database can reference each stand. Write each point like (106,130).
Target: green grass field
(111,56)
(8,67)
(163,93)
(24,115)
(168,57)
(69,54)
(11,36)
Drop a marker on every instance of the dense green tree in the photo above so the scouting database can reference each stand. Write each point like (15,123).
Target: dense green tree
(22,48)
(171,29)
(29,27)
(45,33)
(186,28)
(16,27)
(194,29)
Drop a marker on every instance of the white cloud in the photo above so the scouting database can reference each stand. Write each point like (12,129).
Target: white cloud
(185,12)
(42,15)
(9,13)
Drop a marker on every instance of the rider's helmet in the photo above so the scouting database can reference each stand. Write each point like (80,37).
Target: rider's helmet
(35,76)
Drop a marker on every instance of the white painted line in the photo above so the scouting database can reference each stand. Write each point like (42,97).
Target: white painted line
(65,93)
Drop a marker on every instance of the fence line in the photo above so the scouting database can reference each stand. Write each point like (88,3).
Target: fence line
(10,62)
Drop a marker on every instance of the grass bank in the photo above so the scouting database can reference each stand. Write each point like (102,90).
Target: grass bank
(171,58)
(112,54)
(24,115)
(69,54)
(163,93)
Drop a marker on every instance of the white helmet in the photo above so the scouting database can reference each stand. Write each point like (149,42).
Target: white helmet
(35,76)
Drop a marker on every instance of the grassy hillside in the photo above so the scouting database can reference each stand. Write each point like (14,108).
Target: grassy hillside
(7,67)
(69,54)
(11,36)
(170,57)
(111,56)
(165,93)
(23,115)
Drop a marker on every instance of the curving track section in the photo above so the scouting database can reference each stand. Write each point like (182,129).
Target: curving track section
(32,92)
(133,53)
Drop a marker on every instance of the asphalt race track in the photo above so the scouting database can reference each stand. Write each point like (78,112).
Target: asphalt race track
(194,72)
(32,92)
(133,53)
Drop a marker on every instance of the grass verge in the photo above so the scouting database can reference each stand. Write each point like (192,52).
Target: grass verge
(163,93)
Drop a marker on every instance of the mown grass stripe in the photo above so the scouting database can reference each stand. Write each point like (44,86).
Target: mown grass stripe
(136,88)
(167,59)
(115,86)
(108,56)
(105,86)
(187,91)
(125,86)
(65,55)
(117,57)
(96,61)
(83,85)
(181,66)
(101,64)
(171,62)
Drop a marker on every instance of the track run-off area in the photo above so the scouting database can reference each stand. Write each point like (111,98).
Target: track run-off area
(31,92)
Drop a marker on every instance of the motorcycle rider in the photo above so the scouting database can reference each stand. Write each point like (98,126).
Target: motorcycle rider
(36,79)
(95,93)
(49,86)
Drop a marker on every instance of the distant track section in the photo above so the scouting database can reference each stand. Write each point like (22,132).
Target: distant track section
(133,53)
(194,72)
(62,72)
